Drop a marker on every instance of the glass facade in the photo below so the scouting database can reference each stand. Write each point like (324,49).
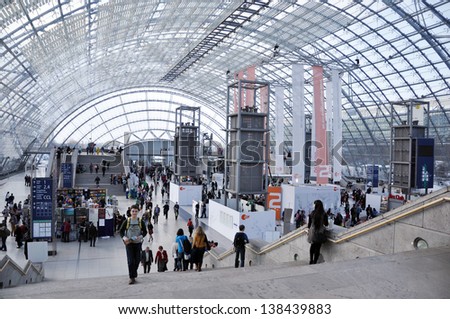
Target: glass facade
(98,69)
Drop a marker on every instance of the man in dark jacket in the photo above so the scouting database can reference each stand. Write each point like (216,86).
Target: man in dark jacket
(146,259)
(239,242)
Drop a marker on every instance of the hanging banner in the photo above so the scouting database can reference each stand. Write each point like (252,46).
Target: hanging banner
(337,126)
(321,167)
(250,94)
(67,174)
(279,130)
(298,127)
(274,200)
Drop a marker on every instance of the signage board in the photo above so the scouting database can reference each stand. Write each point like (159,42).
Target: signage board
(67,174)
(42,207)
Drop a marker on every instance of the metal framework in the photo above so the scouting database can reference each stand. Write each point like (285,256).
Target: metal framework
(59,56)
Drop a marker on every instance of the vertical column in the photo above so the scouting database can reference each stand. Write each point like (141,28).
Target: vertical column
(329,120)
(320,165)
(250,94)
(279,130)
(337,126)
(298,124)
(238,76)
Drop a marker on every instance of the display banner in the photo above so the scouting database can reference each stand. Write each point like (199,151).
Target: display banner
(418,112)
(425,163)
(274,200)
(250,94)
(298,124)
(67,174)
(320,165)
(279,130)
(42,207)
(329,119)
(372,175)
(337,126)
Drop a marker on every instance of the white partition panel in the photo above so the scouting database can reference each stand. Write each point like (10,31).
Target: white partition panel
(226,221)
(303,197)
(184,194)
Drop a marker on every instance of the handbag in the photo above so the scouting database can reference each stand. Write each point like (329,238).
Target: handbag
(316,236)
(187,256)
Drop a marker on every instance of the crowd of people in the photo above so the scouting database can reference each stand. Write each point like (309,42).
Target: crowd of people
(18,221)
(186,251)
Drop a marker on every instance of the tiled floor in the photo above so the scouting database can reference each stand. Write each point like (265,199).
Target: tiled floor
(74,260)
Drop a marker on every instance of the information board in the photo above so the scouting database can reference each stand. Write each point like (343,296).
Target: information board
(67,174)
(425,163)
(42,207)
(372,175)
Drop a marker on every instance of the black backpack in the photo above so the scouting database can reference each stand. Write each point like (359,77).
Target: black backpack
(186,245)
(239,241)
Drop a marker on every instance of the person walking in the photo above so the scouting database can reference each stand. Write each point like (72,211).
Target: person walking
(203,215)
(190,227)
(197,208)
(239,242)
(97,181)
(4,233)
(156,214)
(199,246)
(147,259)
(150,230)
(66,231)
(176,261)
(92,231)
(166,208)
(316,234)
(132,232)
(161,259)
(176,209)
(184,250)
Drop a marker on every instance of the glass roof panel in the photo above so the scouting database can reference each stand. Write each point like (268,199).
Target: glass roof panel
(69,68)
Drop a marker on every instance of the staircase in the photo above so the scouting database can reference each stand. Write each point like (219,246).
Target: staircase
(403,275)
(427,218)
(87,179)
(11,274)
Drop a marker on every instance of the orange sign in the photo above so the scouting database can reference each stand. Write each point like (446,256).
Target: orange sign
(274,200)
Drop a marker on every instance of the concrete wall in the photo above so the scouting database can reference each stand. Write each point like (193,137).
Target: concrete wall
(13,275)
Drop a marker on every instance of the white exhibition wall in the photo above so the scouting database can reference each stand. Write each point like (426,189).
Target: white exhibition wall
(303,197)
(374,200)
(185,194)
(225,220)
(218,177)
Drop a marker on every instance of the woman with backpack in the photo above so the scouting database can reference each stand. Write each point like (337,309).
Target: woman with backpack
(184,249)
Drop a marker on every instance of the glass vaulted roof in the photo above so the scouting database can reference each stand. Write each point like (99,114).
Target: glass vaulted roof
(72,70)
